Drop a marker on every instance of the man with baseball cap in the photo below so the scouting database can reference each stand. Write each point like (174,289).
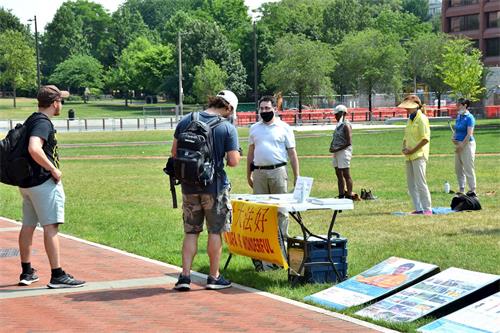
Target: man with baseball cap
(42,192)
(209,203)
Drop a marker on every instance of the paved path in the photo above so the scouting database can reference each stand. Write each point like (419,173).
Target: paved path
(129,293)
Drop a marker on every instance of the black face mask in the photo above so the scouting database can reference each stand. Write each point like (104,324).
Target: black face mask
(267,116)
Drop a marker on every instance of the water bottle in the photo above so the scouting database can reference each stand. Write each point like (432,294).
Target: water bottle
(446,187)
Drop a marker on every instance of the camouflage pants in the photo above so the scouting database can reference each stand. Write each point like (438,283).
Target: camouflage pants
(215,209)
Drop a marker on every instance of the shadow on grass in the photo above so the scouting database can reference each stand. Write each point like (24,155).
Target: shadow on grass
(475,231)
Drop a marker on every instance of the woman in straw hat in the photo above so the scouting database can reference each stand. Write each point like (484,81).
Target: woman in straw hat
(416,150)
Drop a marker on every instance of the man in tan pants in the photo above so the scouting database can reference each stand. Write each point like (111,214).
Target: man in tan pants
(271,144)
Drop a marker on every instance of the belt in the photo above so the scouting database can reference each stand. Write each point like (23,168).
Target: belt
(270,167)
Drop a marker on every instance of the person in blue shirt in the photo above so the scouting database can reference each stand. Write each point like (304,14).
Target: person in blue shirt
(209,203)
(465,147)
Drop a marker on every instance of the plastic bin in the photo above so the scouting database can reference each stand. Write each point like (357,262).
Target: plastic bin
(317,251)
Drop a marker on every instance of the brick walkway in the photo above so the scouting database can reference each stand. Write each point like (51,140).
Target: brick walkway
(128,293)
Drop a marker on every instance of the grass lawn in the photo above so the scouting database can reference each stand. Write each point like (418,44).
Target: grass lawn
(122,200)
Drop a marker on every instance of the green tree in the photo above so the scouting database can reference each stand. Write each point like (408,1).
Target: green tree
(209,79)
(156,12)
(405,25)
(294,17)
(419,8)
(425,53)
(9,21)
(63,38)
(205,40)
(370,61)
(232,16)
(78,72)
(300,66)
(96,23)
(17,60)
(340,18)
(462,69)
(142,66)
(126,26)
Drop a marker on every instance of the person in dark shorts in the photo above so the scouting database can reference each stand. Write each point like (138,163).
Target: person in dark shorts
(209,203)
(43,193)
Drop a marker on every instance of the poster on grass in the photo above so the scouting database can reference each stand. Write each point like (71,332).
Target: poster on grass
(254,232)
(480,317)
(381,280)
(429,295)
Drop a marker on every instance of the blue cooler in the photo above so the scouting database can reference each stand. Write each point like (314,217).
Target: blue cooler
(317,268)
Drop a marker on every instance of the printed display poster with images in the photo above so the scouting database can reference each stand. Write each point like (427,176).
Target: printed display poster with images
(480,317)
(254,232)
(429,295)
(382,279)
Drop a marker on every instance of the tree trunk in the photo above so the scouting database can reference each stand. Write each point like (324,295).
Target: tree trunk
(300,108)
(14,91)
(438,95)
(126,98)
(370,105)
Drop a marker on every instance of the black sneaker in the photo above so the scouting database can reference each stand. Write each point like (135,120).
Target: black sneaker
(26,279)
(219,283)
(183,283)
(65,281)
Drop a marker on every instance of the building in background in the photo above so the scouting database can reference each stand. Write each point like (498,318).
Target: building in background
(434,7)
(480,21)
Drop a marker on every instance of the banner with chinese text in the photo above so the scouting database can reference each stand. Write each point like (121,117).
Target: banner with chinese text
(254,232)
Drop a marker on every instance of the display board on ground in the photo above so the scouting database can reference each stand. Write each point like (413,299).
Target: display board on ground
(480,317)
(431,296)
(381,280)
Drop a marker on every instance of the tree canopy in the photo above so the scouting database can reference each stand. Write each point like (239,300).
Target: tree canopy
(462,69)
(78,72)
(300,66)
(17,60)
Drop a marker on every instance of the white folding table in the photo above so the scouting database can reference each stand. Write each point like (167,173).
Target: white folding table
(288,204)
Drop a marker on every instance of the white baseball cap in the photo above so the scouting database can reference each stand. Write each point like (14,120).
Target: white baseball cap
(229,97)
(340,108)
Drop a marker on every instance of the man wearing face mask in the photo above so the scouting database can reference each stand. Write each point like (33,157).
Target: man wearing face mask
(210,202)
(271,143)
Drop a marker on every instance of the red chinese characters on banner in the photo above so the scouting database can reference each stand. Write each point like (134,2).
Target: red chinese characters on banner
(254,232)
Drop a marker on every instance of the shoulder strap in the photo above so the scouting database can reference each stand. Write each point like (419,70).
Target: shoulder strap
(195,116)
(213,123)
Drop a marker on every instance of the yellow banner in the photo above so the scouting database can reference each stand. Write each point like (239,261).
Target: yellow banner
(254,232)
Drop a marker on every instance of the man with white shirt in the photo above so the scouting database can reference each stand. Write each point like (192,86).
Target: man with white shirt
(271,143)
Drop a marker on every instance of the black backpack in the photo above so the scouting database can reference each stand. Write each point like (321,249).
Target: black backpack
(194,161)
(467,201)
(15,167)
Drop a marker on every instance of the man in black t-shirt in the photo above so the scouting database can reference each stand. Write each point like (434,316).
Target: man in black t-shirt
(43,193)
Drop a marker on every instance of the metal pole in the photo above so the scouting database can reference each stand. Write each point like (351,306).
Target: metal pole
(180,72)
(37,53)
(255,71)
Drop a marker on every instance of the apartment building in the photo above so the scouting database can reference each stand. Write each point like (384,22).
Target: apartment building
(477,19)
(480,21)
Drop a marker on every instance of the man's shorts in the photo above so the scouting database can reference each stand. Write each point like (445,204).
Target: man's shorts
(342,159)
(216,209)
(43,204)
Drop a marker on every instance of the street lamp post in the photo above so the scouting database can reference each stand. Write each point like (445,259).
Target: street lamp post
(37,56)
